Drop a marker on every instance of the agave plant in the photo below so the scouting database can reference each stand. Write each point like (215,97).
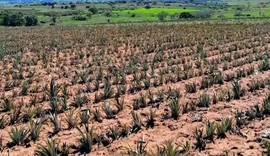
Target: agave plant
(83,75)
(97,116)
(35,128)
(65,94)
(7,104)
(79,100)
(266,105)
(137,122)
(215,98)
(119,104)
(168,149)
(237,91)
(125,130)
(267,146)
(174,93)
(204,100)
(228,122)
(29,114)
(71,119)
(18,136)
(240,120)
(264,64)
(108,90)
(24,90)
(86,140)
(191,87)
(221,129)
(108,111)
(139,150)
(151,118)
(2,122)
(50,149)
(200,143)
(15,115)
(175,109)
(114,132)
(56,123)
(52,92)
(210,130)
(84,116)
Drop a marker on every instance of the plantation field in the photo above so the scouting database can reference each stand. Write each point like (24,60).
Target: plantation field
(195,88)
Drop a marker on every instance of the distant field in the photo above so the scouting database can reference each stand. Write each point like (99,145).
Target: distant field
(155,11)
(245,2)
(137,12)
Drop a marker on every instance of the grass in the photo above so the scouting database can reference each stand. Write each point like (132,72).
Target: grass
(155,11)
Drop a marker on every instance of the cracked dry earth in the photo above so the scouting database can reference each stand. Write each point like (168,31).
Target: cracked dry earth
(167,57)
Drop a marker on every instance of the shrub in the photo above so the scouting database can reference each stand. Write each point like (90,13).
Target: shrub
(13,19)
(93,10)
(204,14)
(162,15)
(79,18)
(133,15)
(108,14)
(31,20)
(185,15)
(73,6)
(147,6)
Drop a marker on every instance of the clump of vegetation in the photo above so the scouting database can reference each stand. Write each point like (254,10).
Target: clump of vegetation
(204,100)
(86,140)
(18,136)
(175,109)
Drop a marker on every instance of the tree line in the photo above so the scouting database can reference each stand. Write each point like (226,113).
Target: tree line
(17,19)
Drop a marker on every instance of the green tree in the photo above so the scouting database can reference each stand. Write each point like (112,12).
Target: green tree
(73,6)
(93,9)
(186,15)
(162,15)
(108,14)
(13,19)
(31,20)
